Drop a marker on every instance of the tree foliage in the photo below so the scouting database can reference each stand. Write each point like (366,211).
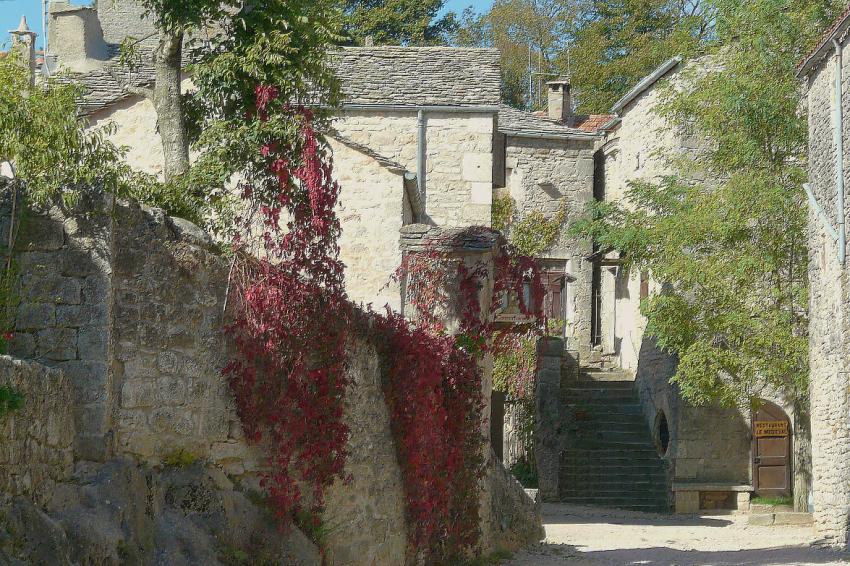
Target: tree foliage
(528,34)
(45,141)
(618,42)
(730,252)
(397,22)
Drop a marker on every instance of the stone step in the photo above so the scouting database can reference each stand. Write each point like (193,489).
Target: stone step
(612,409)
(592,384)
(638,505)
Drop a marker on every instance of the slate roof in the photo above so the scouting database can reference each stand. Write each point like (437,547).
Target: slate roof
(399,76)
(519,122)
(824,46)
(419,76)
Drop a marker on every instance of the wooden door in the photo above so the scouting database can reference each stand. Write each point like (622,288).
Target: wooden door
(771,452)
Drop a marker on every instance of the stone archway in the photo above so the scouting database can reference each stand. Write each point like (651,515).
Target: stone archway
(771,451)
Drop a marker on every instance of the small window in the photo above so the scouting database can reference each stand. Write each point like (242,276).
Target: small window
(644,285)
(662,434)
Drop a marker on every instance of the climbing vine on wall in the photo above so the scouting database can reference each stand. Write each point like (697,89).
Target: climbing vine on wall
(291,311)
(434,388)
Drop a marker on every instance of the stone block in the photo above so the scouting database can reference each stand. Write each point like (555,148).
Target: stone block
(742,501)
(58,344)
(50,289)
(478,167)
(687,502)
(40,233)
(22,346)
(93,343)
(35,316)
(81,315)
(172,420)
(90,380)
(481,193)
(791,518)
(77,263)
(139,393)
(765,520)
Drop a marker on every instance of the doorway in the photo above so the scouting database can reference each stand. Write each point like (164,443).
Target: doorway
(771,451)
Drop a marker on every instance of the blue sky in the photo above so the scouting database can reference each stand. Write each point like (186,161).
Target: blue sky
(11,11)
(459,5)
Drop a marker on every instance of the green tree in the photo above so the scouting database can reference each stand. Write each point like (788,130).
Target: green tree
(284,46)
(618,42)
(529,35)
(46,144)
(397,22)
(731,253)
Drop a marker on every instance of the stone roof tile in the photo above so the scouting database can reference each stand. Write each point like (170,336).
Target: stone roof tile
(419,76)
(402,76)
(513,122)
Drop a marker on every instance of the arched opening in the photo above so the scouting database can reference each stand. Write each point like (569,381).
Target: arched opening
(662,433)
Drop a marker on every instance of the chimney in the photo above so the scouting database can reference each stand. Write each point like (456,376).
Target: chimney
(23,42)
(560,101)
(75,37)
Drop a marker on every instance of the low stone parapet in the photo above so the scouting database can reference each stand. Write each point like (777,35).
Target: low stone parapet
(696,497)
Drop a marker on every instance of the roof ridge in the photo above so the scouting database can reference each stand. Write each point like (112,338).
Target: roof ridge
(813,58)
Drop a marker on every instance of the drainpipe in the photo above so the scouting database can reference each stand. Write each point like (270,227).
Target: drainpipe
(420,154)
(839,150)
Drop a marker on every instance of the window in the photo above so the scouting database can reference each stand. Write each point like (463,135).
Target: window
(662,434)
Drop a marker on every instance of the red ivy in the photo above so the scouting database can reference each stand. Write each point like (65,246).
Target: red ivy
(291,321)
(292,314)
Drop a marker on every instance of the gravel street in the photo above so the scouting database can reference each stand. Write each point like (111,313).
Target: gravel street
(589,536)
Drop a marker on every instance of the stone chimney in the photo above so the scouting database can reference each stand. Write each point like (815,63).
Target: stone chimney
(560,101)
(23,42)
(75,36)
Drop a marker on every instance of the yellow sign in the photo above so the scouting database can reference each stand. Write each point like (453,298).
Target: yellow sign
(771,428)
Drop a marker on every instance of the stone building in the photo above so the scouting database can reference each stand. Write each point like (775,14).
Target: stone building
(121,315)
(824,75)
(619,399)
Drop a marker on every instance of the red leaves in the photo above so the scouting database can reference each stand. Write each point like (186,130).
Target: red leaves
(291,317)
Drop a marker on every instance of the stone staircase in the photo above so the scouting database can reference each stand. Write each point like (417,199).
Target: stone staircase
(610,459)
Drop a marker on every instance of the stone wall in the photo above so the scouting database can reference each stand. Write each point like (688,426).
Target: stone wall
(64,318)
(372,210)
(37,446)
(169,287)
(708,444)
(459,158)
(544,175)
(829,314)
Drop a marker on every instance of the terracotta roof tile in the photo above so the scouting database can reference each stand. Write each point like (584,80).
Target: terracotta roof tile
(590,122)
(813,59)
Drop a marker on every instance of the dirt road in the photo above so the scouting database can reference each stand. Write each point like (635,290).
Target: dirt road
(579,536)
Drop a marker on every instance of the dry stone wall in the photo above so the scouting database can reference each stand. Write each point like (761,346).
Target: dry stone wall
(65,311)
(829,330)
(37,447)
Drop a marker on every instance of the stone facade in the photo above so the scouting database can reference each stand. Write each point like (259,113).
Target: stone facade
(829,312)
(458,161)
(546,175)
(37,450)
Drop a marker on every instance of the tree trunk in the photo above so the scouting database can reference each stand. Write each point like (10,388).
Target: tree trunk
(170,121)
(802,455)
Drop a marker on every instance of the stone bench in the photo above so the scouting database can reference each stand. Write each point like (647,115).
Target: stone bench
(688,496)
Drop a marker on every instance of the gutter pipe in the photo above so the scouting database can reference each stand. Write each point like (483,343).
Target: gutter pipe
(827,224)
(838,124)
(421,139)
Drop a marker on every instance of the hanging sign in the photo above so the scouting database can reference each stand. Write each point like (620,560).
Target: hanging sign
(771,428)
